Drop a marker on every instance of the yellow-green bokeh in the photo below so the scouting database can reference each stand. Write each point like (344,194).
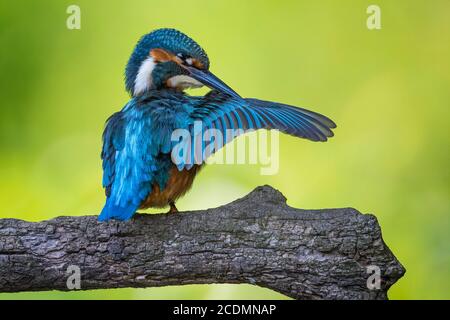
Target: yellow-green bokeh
(388,91)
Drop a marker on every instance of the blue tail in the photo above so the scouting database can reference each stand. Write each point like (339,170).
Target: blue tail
(112,211)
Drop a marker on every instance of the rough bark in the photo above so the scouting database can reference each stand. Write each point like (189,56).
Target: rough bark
(304,254)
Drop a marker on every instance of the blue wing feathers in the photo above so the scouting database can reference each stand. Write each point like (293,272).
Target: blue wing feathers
(225,112)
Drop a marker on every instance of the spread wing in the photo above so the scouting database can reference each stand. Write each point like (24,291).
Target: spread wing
(232,116)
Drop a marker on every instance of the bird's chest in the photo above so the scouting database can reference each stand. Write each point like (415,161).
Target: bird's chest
(178,183)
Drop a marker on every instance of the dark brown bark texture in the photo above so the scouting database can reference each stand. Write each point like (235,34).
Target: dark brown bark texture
(259,239)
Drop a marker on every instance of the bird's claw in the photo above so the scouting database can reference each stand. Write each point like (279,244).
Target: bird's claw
(173,208)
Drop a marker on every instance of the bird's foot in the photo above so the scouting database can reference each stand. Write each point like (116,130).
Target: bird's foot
(173,208)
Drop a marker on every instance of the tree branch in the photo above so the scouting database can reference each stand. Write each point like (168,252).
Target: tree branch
(304,254)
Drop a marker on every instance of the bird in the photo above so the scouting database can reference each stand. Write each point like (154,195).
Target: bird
(138,164)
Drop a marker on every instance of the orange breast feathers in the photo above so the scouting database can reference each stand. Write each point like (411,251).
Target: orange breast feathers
(178,184)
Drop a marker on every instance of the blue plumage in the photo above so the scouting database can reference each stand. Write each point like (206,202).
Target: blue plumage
(138,169)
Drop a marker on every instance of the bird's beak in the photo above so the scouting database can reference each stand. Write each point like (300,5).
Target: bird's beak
(210,80)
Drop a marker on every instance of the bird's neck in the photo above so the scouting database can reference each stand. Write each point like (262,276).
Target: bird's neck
(158,94)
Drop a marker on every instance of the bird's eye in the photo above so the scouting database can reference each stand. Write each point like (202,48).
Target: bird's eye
(184,58)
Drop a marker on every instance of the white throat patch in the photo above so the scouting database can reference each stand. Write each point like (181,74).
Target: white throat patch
(143,79)
(183,82)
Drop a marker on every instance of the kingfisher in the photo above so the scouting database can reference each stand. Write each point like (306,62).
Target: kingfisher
(141,168)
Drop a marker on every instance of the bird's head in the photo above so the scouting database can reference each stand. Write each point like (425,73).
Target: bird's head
(167,58)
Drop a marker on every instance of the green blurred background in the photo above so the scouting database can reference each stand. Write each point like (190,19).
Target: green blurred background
(388,91)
